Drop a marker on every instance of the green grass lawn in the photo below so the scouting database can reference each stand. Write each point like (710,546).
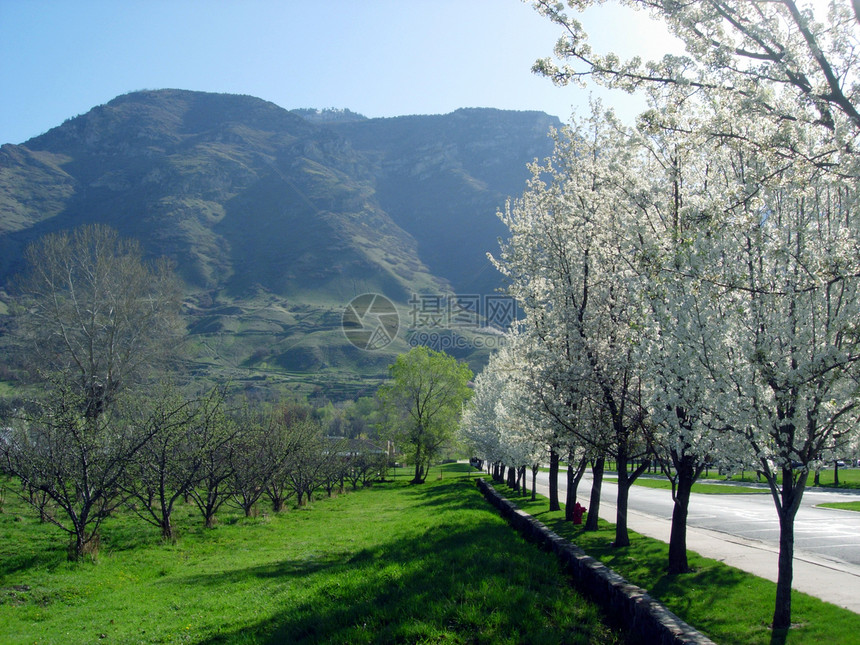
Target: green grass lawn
(391,564)
(705,488)
(848,478)
(846,506)
(729,605)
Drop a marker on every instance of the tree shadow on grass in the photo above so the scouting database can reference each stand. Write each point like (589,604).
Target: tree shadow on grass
(701,596)
(698,597)
(471,581)
(442,495)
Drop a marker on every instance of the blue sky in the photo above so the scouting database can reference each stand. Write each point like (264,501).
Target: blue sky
(59,58)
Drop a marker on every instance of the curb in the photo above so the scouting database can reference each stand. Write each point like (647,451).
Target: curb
(638,611)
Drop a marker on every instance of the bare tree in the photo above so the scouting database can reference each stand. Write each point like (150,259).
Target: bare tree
(94,315)
(172,462)
(213,438)
(306,465)
(92,320)
(284,438)
(76,461)
(261,450)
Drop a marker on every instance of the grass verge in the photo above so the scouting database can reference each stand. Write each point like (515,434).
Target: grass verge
(845,506)
(729,605)
(849,478)
(705,488)
(391,564)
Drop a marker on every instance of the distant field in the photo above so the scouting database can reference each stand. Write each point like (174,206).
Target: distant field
(391,564)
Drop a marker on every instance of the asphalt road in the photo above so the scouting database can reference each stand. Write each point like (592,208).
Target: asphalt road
(743,531)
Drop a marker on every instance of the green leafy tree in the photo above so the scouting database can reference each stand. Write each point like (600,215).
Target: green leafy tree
(423,402)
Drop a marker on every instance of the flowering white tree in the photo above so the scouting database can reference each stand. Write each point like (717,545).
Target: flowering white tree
(789,265)
(741,53)
(497,423)
(773,265)
(753,343)
(568,262)
(479,428)
(675,208)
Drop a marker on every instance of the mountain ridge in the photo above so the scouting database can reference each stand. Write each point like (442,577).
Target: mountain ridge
(262,207)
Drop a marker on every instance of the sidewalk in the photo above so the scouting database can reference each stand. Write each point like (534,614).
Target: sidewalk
(833,581)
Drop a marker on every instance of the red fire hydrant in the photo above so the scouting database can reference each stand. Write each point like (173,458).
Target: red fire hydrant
(578,511)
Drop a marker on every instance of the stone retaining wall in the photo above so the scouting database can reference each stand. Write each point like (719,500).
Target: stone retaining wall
(638,611)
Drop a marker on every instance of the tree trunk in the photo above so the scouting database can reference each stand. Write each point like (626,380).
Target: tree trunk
(535,469)
(836,473)
(594,502)
(782,608)
(625,481)
(574,475)
(512,482)
(678,538)
(570,499)
(167,532)
(553,481)
(622,538)
(83,544)
(791,495)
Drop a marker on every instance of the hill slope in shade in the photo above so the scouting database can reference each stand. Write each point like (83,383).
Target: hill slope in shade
(276,219)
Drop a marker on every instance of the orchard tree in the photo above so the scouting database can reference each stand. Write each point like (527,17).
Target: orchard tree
(307,465)
(214,439)
(258,453)
(93,315)
(77,462)
(285,438)
(163,469)
(93,320)
(423,402)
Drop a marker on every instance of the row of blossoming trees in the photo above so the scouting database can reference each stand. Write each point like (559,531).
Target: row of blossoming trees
(103,426)
(690,285)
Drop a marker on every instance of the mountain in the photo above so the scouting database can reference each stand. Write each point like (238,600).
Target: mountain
(275,218)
